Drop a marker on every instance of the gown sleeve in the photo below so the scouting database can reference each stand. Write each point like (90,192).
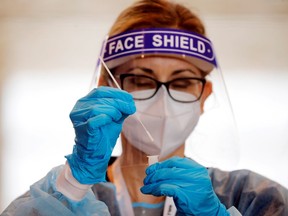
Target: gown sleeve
(44,199)
(250,193)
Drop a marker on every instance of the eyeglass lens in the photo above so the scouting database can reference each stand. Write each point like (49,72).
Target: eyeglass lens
(181,89)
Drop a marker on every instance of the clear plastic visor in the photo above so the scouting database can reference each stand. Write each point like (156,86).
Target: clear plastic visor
(170,74)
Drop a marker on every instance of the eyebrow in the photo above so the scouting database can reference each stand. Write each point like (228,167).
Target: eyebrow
(150,71)
(146,70)
(183,70)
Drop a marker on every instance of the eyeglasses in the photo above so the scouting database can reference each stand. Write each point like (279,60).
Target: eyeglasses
(148,87)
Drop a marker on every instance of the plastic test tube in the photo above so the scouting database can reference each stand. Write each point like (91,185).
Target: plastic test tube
(153,159)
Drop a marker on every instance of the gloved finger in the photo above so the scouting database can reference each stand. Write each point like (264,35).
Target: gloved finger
(90,152)
(178,162)
(92,124)
(184,180)
(82,115)
(160,189)
(109,92)
(115,108)
(98,143)
(127,107)
(98,121)
(164,174)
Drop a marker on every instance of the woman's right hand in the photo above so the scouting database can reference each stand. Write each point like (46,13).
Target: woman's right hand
(97,119)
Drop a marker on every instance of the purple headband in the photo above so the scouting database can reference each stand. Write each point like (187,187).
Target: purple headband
(164,41)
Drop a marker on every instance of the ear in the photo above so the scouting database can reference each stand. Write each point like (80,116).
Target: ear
(206,92)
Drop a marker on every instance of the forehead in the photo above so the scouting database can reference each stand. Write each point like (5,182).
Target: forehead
(159,63)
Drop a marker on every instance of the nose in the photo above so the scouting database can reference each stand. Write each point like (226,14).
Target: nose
(163,86)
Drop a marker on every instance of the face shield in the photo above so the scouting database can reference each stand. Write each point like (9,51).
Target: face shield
(167,72)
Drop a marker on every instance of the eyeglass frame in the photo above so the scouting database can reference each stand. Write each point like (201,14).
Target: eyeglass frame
(166,84)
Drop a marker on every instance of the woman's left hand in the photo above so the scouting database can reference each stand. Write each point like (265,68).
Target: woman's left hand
(187,182)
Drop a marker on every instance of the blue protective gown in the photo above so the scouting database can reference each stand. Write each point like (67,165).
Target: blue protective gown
(251,193)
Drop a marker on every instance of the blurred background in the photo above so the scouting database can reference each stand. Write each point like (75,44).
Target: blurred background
(48,51)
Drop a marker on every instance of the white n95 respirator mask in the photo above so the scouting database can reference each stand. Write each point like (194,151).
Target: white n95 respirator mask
(168,121)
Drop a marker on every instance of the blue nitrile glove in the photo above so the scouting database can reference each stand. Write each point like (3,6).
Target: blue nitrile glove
(188,183)
(97,120)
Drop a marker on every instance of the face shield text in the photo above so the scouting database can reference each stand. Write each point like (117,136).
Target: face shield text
(128,43)
(176,41)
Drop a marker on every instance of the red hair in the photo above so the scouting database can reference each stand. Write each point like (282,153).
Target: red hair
(157,14)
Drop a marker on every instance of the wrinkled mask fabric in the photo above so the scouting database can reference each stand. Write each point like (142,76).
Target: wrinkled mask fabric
(168,121)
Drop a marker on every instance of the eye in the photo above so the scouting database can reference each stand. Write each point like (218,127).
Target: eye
(139,83)
(183,83)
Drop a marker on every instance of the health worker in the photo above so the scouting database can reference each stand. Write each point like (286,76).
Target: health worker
(151,91)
